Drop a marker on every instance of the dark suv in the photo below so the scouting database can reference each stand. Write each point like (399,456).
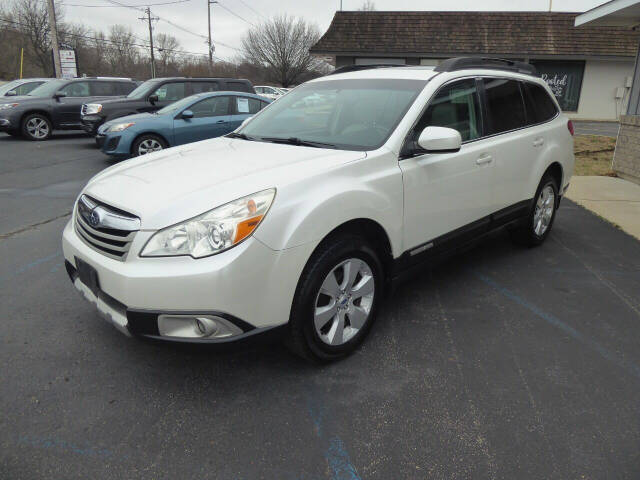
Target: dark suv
(55,105)
(155,94)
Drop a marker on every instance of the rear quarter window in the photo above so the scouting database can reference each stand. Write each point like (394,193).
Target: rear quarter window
(505,105)
(539,105)
(125,88)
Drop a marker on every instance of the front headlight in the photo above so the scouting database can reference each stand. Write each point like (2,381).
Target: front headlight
(214,231)
(118,127)
(92,108)
(5,106)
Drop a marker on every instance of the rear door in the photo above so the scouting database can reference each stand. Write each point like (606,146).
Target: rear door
(513,144)
(243,108)
(210,119)
(67,109)
(448,193)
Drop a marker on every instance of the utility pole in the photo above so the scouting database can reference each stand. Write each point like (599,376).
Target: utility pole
(148,18)
(53,30)
(209,2)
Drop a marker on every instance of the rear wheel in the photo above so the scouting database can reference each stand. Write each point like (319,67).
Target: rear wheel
(336,300)
(537,226)
(147,144)
(36,127)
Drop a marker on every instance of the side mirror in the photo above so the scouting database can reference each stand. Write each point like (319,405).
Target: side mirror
(440,140)
(153,99)
(187,114)
(59,95)
(11,93)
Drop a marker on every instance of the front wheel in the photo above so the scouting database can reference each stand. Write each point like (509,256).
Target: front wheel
(540,219)
(147,144)
(336,300)
(36,127)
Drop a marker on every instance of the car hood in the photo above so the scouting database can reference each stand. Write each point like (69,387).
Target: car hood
(116,101)
(167,187)
(138,117)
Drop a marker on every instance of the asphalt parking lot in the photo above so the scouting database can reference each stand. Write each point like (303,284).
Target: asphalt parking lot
(502,363)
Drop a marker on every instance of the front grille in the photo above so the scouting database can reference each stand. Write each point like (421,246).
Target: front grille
(113,230)
(84,109)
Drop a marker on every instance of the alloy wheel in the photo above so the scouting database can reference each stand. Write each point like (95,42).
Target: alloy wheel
(344,302)
(38,128)
(149,145)
(544,210)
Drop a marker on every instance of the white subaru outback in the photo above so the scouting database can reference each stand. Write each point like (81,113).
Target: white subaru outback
(295,223)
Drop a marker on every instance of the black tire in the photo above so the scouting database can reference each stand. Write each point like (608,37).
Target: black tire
(302,338)
(525,233)
(147,137)
(43,132)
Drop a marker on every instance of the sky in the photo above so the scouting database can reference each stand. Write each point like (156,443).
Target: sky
(232,18)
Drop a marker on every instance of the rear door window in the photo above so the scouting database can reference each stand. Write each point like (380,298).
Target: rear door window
(125,88)
(457,106)
(245,105)
(238,87)
(201,87)
(539,105)
(103,89)
(505,105)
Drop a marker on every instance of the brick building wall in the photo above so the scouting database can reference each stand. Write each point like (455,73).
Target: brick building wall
(626,159)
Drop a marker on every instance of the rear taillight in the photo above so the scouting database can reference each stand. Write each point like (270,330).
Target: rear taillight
(570,127)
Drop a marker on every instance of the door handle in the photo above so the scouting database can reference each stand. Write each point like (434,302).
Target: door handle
(484,158)
(538,142)
(221,121)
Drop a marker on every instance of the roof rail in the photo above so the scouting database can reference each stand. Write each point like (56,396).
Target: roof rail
(465,63)
(355,68)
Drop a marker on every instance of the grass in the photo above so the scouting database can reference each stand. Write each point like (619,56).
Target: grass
(594,155)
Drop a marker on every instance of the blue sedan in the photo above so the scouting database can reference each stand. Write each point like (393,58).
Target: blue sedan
(194,118)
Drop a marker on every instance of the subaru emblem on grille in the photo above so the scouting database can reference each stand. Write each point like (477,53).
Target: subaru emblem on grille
(94,218)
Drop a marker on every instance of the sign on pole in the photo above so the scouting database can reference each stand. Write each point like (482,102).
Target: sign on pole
(68,64)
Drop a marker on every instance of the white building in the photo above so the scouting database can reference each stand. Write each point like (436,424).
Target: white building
(589,68)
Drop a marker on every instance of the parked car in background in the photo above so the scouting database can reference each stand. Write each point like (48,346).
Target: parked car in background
(22,86)
(55,105)
(198,117)
(153,95)
(297,227)
(269,92)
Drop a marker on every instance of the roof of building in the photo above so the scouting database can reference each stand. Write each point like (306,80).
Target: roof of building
(464,33)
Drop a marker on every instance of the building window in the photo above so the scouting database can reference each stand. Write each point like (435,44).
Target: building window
(565,80)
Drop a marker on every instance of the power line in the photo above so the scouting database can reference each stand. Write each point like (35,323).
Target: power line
(117,6)
(252,9)
(137,45)
(235,14)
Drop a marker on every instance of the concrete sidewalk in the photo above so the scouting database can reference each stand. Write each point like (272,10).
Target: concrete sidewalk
(614,199)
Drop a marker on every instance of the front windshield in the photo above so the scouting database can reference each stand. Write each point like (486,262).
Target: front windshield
(48,89)
(176,106)
(354,114)
(7,87)
(142,89)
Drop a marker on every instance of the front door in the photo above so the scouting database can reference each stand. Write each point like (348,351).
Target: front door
(444,192)
(66,110)
(210,119)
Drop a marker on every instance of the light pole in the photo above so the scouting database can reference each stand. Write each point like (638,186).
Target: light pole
(209,2)
(53,29)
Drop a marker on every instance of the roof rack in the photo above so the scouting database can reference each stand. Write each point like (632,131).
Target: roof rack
(465,63)
(355,68)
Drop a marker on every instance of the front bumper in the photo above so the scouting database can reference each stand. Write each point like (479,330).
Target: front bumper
(5,125)
(90,123)
(250,285)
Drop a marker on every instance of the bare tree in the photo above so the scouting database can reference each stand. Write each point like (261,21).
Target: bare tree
(368,6)
(281,45)
(168,49)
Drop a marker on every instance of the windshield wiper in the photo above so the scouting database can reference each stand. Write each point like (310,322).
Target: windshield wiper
(298,141)
(239,135)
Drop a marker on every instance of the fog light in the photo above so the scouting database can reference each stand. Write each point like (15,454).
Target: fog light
(201,326)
